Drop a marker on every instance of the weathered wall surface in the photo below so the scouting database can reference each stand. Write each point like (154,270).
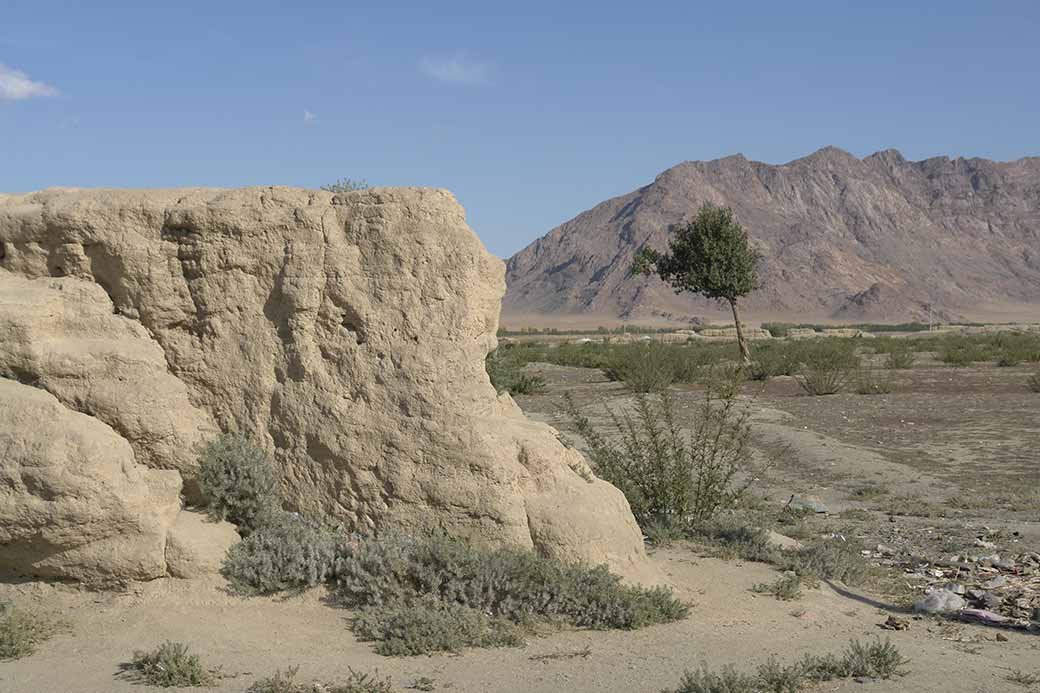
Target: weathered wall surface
(345,333)
(73,503)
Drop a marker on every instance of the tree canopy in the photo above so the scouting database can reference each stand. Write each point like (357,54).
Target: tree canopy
(710,255)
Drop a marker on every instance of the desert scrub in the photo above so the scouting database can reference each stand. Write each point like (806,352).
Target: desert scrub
(431,625)
(829,559)
(828,367)
(238,481)
(900,357)
(504,367)
(169,665)
(21,631)
(1033,382)
(826,559)
(421,594)
(872,382)
(670,477)
(651,366)
(876,660)
(867,491)
(962,351)
(786,588)
(415,594)
(731,540)
(288,553)
(357,682)
(1023,678)
(772,360)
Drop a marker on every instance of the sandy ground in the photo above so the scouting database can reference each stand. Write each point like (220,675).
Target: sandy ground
(250,638)
(935,438)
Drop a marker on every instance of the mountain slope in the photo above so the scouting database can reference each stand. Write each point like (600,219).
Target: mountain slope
(878,238)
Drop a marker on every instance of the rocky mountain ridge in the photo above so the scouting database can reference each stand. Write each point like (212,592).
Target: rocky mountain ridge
(878,238)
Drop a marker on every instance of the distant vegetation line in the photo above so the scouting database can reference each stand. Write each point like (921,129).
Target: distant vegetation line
(777,329)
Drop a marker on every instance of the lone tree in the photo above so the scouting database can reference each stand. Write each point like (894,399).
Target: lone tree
(710,256)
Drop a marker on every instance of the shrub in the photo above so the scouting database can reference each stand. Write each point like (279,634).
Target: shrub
(878,660)
(871,382)
(786,588)
(900,357)
(832,559)
(960,351)
(345,185)
(774,677)
(1008,359)
(431,625)
(504,368)
(21,632)
(739,541)
(644,367)
(829,365)
(1023,678)
(725,680)
(421,594)
(168,666)
(514,584)
(868,491)
(285,554)
(238,481)
(357,682)
(771,360)
(667,476)
(1033,382)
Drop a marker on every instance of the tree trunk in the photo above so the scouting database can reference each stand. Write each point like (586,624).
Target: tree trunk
(745,353)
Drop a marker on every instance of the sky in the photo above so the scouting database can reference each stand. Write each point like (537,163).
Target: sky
(530,112)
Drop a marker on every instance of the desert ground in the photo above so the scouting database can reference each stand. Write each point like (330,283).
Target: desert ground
(942,465)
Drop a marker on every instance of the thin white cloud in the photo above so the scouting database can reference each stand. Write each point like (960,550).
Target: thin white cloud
(308,117)
(459,69)
(16,86)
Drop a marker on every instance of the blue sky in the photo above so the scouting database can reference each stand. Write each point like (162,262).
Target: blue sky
(529,112)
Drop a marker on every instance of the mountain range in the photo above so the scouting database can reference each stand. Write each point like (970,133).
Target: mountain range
(842,238)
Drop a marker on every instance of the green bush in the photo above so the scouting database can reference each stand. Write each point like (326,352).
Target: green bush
(345,185)
(871,382)
(21,631)
(828,367)
(725,680)
(900,358)
(774,677)
(238,481)
(772,360)
(876,660)
(652,366)
(786,588)
(509,583)
(666,475)
(357,682)
(1008,359)
(168,666)
(832,559)
(962,351)
(429,624)
(420,594)
(829,559)
(504,367)
(289,553)
(737,540)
